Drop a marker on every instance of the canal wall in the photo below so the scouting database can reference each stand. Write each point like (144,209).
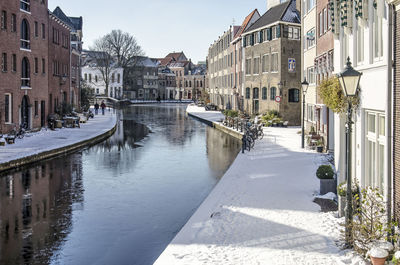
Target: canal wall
(212,119)
(49,144)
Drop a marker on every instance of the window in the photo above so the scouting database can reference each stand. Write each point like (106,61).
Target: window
(14,63)
(360,43)
(377,35)
(274,62)
(85,77)
(36,108)
(375,149)
(311,75)
(25,35)
(36,66)
(272,93)
(256,93)
(13,23)
(310,4)
(25,73)
(264,93)
(95,78)
(4,62)
(43,66)
(310,38)
(119,78)
(248,66)
(43,31)
(325,22)
(256,67)
(113,77)
(7,108)
(265,63)
(36,29)
(90,78)
(247,92)
(3,20)
(25,5)
(294,95)
(296,33)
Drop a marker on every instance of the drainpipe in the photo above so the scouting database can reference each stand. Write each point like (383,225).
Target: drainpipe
(389,115)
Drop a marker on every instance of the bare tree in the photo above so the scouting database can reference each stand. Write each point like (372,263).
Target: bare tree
(101,54)
(124,47)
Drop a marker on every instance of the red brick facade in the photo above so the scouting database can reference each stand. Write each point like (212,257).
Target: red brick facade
(34,90)
(396,117)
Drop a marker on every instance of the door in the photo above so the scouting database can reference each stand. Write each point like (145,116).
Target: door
(42,113)
(25,112)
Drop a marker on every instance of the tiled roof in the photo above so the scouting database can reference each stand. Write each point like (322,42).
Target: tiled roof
(245,23)
(73,22)
(283,12)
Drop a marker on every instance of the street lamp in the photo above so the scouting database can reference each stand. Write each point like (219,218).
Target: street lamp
(304,86)
(349,81)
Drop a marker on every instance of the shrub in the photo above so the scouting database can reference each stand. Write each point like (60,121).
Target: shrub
(342,189)
(271,117)
(325,172)
(231,113)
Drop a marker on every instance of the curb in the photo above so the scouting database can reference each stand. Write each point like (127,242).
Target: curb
(56,152)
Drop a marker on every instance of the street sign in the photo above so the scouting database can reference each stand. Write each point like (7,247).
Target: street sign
(278,99)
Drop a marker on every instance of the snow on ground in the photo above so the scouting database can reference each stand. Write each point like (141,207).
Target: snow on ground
(261,212)
(215,116)
(46,140)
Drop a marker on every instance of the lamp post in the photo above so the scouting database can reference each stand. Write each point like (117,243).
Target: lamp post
(304,85)
(349,81)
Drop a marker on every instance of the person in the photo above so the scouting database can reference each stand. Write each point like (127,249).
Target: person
(96,108)
(103,107)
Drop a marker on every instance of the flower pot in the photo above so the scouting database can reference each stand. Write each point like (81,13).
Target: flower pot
(378,261)
(320,149)
(327,185)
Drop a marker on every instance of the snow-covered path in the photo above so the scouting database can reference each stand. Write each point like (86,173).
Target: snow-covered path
(261,212)
(47,140)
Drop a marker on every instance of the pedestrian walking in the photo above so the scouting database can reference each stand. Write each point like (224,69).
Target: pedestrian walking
(96,108)
(103,107)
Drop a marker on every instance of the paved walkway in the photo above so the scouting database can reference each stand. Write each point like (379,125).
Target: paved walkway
(46,140)
(261,212)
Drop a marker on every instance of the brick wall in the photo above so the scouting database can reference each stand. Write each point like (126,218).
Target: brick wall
(396,125)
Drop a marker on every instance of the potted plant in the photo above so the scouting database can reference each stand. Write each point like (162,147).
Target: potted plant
(327,182)
(396,258)
(378,255)
(320,145)
(341,192)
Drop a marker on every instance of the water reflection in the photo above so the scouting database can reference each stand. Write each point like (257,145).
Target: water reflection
(119,202)
(36,209)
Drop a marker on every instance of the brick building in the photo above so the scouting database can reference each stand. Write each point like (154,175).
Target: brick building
(24,60)
(59,63)
(272,48)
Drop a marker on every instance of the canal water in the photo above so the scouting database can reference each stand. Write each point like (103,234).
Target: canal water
(119,202)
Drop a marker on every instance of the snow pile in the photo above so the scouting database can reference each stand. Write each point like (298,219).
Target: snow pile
(46,140)
(329,196)
(261,212)
(377,252)
(214,116)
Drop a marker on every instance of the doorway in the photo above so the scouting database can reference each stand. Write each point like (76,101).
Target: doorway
(25,112)
(42,113)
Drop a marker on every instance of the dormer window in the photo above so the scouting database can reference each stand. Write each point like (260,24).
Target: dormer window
(25,35)
(25,5)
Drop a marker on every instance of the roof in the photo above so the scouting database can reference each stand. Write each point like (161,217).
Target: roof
(73,22)
(286,12)
(245,23)
(175,55)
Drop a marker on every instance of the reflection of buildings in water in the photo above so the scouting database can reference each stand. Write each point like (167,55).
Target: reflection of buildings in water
(35,209)
(219,146)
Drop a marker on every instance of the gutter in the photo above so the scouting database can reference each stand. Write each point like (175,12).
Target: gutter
(389,137)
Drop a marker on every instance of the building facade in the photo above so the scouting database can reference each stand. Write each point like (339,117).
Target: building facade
(363,36)
(94,79)
(24,60)
(272,49)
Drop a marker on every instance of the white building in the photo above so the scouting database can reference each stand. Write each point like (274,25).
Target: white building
(363,35)
(93,77)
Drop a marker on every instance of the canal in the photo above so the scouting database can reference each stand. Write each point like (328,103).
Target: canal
(119,202)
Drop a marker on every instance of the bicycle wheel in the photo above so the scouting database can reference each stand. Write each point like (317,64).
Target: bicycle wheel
(248,143)
(261,134)
(252,143)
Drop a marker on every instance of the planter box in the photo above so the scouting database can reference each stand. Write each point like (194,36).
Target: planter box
(341,205)
(327,185)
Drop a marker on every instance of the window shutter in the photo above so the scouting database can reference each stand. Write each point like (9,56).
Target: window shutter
(285,31)
(244,41)
(260,37)
(278,31)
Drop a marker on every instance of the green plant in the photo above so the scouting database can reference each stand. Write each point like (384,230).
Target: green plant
(370,224)
(396,258)
(231,113)
(325,172)
(341,189)
(271,117)
(333,97)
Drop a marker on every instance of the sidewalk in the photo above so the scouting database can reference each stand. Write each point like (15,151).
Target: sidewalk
(261,212)
(48,143)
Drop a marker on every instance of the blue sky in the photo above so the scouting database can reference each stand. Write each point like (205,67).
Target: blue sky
(161,26)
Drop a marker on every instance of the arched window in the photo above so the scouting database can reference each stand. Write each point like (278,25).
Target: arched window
(256,93)
(190,83)
(247,92)
(25,73)
(25,5)
(294,95)
(25,35)
(119,78)
(264,93)
(273,93)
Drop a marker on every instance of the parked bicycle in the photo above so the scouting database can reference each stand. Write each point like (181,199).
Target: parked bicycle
(20,133)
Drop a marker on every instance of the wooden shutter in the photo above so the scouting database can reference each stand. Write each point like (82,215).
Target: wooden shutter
(278,31)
